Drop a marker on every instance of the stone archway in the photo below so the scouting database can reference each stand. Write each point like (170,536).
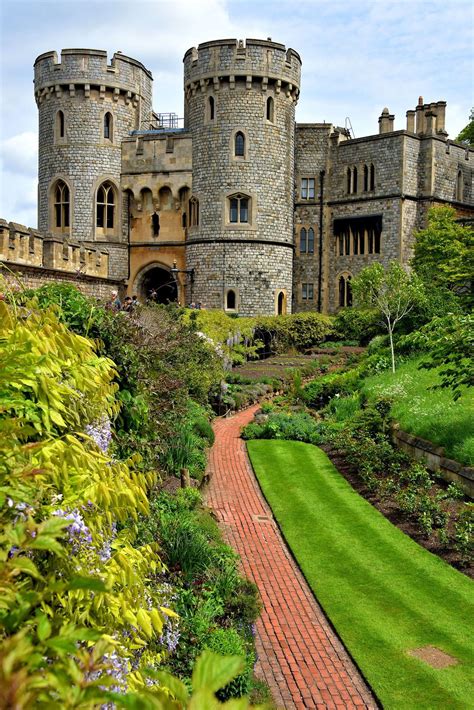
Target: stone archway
(156,283)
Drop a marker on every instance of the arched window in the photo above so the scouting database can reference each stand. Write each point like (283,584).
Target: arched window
(354,180)
(366,178)
(60,125)
(61,205)
(105,213)
(372,177)
(349,181)
(239,145)
(239,207)
(303,243)
(459,187)
(231,300)
(193,212)
(345,291)
(108,126)
(310,240)
(270,109)
(211,107)
(281,305)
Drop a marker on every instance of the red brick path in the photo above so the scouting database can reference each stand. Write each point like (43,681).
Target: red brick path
(299,655)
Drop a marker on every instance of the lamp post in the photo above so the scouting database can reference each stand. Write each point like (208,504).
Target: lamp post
(190,272)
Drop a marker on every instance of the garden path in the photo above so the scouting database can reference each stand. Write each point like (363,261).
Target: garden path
(299,655)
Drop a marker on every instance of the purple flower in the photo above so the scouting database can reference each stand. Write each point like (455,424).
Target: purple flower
(100,432)
(78,531)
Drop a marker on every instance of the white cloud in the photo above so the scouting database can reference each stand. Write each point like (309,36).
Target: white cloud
(20,153)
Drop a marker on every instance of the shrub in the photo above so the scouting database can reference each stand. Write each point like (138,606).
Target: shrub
(227,642)
(318,392)
(357,325)
(296,426)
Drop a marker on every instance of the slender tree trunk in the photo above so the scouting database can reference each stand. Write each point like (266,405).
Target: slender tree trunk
(390,335)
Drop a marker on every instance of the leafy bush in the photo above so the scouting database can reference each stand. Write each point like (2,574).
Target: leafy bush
(297,426)
(299,330)
(318,392)
(357,325)
(228,642)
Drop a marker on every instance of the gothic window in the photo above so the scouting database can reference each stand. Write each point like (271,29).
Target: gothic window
(105,211)
(61,206)
(231,300)
(270,109)
(310,240)
(239,145)
(307,188)
(459,187)
(307,292)
(354,180)
(303,243)
(60,125)
(193,212)
(345,291)
(366,178)
(372,177)
(349,181)
(281,303)
(108,126)
(239,206)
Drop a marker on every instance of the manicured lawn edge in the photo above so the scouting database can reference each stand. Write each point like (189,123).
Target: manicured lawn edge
(415,598)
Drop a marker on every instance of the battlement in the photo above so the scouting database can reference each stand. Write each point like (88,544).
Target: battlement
(89,67)
(26,246)
(233,60)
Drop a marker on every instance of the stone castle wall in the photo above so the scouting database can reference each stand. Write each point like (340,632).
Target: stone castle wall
(84,87)
(240,80)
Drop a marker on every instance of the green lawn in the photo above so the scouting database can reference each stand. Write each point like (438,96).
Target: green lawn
(431,414)
(384,593)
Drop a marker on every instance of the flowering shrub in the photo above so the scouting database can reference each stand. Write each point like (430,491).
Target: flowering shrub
(80,613)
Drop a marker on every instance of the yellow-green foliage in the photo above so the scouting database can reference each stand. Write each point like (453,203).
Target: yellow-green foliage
(77,598)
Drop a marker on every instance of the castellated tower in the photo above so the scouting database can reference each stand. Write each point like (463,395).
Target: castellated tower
(240,109)
(86,107)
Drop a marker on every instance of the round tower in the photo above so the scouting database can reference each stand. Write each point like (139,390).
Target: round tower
(240,109)
(86,107)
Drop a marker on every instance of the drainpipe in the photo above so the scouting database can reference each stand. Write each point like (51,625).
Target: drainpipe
(128,235)
(321,194)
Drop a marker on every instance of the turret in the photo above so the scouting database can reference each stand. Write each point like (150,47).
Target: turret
(240,109)
(86,107)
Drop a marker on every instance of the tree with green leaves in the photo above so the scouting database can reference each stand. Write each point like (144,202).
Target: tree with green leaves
(393,292)
(444,254)
(467,133)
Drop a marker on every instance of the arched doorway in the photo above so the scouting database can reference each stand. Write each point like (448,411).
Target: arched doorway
(157,284)
(280,303)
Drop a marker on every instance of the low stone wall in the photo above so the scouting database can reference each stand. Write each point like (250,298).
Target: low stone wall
(35,276)
(434,459)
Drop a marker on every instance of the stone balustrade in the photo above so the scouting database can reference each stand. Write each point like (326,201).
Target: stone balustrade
(23,245)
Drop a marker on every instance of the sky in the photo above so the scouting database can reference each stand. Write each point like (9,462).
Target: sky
(358,57)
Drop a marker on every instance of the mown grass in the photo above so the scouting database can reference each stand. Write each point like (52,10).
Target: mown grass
(429,413)
(384,593)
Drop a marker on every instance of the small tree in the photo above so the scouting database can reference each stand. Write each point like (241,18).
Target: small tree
(393,292)
(467,133)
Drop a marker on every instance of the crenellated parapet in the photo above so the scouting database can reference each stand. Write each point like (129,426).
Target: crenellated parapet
(22,245)
(230,61)
(88,70)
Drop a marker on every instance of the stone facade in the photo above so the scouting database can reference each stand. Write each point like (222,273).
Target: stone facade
(239,208)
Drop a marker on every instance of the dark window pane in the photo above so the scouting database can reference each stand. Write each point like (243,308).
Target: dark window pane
(239,144)
(110,196)
(311,241)
(234,206)
(244,210)
(65,215)
(211,108)
(342,291)
(110,216)
(57,209)
(100,215)
(304,188)
(310,292)
(311,189)
(230,299)
(303,241)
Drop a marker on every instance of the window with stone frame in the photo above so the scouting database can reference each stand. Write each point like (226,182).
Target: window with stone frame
(303,240)
(60,127)
(310,240)
(193,212)
(61,206)
(231,300)
(108,126)
(239,145)
(239,208)
(211,108)
(345,291)
(307,291)
(459,186)
(352,181)
(105,207)
(307,190)
(270,107)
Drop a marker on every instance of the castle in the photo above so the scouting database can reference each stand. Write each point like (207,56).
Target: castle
(240,208)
